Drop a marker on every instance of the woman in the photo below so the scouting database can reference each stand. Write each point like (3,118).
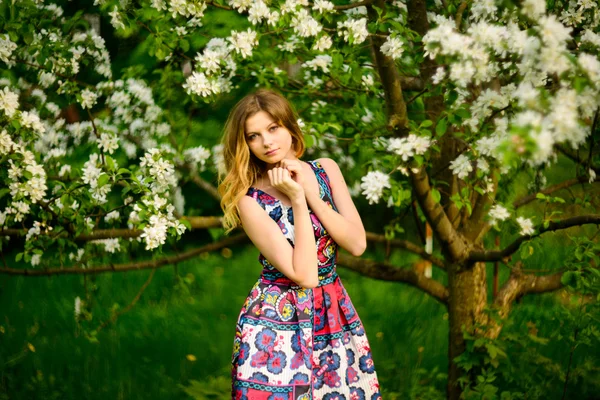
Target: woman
(298,335)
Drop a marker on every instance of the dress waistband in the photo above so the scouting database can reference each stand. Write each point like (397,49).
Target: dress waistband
(323,280)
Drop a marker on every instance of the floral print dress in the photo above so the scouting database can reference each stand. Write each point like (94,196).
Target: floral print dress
(293,343)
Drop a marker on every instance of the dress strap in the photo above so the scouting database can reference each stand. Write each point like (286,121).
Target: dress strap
(324,183)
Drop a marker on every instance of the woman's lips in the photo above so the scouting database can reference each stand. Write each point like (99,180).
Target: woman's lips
(271,152)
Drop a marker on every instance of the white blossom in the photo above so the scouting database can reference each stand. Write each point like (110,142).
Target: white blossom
(323,6)
(9,101)
(46,79)
(461,166)
(258,11)
(592,175)
(305,25)
(115,19)
(112,216)
(243,42)
(88,98)
(198,83)
(35,230)
(322,61)
(373,185)
(6,143)
(591,66)
(155,233)
(483,165)
(367,80)
(110,245)
(355,29)
(526,226)
(409,146)
(368,117)
(197,155)
(77,306)
(35,259)
(498,213)
(6,47)
(591,37)
(108,142)
(323,43)
(534,8)
(392,47)
(240,5)
(440,74)
(31,120)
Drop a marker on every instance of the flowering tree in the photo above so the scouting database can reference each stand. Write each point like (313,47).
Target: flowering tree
(449,101)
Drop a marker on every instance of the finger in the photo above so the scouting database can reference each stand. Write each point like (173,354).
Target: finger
(270,175)
(281,174)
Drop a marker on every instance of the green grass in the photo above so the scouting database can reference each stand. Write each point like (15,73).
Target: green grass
(144,355)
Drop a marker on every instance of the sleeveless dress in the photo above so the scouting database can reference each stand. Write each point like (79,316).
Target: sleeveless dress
(293,343)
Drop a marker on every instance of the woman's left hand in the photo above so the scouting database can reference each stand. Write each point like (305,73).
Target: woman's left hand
(296,172)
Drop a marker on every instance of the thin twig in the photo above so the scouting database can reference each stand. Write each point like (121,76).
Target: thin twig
(135,300)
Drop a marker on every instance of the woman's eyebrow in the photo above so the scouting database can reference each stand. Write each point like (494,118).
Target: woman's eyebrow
(270,123)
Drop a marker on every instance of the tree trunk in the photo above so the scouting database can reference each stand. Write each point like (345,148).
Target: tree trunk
(468,297)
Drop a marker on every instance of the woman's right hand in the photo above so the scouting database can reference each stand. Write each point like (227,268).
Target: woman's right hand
(281,180)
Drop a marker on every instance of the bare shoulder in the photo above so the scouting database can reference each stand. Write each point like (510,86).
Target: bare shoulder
(333,171)
(327,162)
(247,204)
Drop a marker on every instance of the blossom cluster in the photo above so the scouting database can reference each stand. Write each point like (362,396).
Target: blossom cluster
(541,116)
(407,147)
(499,213)
(373,185)
(216,66)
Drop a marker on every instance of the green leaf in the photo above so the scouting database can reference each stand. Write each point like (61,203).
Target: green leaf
(436,195)
(426,124)
(3,192)
(568,278)
(463,113)
(540,196)
(441,127)
(184,44)
(309,140)
(110,162)
(103,180)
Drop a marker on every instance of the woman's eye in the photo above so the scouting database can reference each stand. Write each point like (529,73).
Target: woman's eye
(252,136)
(273,128)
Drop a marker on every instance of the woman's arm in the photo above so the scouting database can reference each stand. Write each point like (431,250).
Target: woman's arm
(298,263)
(345,226)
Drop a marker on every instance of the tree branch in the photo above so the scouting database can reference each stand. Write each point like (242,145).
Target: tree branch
(149,264)
(550,189)
(130,305)
(195,222)
(390,79)
(459,13)
(387,272)
(407,245)
(354,5)
(201,183)
(452,242)
(518,285)
(497,255)
(212,3)
(575,157)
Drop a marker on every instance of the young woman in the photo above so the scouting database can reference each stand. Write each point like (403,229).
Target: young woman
(298,335)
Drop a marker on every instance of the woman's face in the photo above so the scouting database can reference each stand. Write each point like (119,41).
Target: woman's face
(267,140)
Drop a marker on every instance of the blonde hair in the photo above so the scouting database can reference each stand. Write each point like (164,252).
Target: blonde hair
(242,168)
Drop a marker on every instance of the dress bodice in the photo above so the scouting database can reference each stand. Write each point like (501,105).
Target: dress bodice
(284,217)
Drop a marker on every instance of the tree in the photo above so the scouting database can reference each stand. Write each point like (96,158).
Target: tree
(448,102)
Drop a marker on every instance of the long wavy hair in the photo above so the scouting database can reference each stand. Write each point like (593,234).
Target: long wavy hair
(242,168)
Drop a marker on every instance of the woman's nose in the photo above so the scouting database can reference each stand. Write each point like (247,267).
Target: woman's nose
(267,140)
